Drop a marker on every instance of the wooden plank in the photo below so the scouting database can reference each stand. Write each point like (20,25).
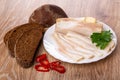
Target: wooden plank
(16,12)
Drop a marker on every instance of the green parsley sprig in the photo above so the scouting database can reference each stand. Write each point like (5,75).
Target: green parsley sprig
(101,39)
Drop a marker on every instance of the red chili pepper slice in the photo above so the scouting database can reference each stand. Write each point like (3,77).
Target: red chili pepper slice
(41,68)
(59,69)
(41,57)
(45,63)
(55,63)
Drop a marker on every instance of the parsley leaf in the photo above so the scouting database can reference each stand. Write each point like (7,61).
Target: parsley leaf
(101,39)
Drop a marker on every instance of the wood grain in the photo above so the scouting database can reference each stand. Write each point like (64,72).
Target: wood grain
(16,12)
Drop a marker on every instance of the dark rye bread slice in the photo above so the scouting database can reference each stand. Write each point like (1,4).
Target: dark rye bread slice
(7,35)
(18,32)
(26,47)
(47,14)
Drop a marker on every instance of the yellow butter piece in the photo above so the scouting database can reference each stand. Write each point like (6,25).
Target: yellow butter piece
(90,20)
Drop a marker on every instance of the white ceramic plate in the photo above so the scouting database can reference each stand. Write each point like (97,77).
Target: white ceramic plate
(51,46)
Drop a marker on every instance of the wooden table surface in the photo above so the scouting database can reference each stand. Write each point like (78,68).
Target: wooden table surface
(16,12)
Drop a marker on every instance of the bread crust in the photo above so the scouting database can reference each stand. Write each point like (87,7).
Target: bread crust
(47,15)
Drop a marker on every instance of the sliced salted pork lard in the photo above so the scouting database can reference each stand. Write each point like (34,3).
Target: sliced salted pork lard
(62,47)
(72,49)
(110,46)
(63,25)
